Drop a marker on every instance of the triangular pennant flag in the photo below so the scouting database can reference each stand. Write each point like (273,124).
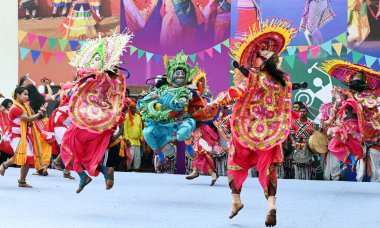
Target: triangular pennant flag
(63,44)
(210,52)
(369,60)
(82,43)
(59,56)
(24,52)
(193,57)
(327,47)
(140,53)
(201,55)
(148,56)
(291,50)
(42,40)
(157,58)
(21,36)
(226,43)
(338,48)
(35,55)
(132,50)
(349,50)
(342,38)
(52,42)
(218,48)
(71,55)
(73,44)
(290,59)
(303,56)
(356,56)
(31,38)
(315,50)
(302,48)
(46,56)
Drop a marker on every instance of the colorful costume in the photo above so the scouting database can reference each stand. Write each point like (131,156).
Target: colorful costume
(261,117)
(165,110)
(64,4)
(81,21)
(218,19)
(95,108)
(355,110)
(357,24)
(96,4)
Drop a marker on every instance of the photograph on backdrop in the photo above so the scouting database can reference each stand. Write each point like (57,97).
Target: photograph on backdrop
(190,25)
(318,20)
(363,26)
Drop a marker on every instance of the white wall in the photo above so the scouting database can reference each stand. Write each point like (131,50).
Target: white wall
(8,47)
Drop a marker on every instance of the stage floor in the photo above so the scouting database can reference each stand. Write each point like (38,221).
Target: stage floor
(163,200)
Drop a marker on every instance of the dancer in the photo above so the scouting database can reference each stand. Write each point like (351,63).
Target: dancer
(315,15)
(204,137)
(30,7)
(357,25)
(165,110)
(261,117)
(217,15)
(64,4)
(81,21)
(95,108)
(96,4)
(355,110)
(23,136)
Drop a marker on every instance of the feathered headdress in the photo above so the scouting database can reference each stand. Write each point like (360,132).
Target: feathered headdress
(179,62)
(275,35)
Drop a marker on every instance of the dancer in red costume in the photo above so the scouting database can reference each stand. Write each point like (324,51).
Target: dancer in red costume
(261,116)
(95,108)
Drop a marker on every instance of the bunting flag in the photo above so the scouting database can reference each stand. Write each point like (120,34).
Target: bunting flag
(63,44)
(290,59)
(303,56)
(23,53)
(338,48)
(315,51)
(35,55)
(46,56)
(342,38)
(71,55)
(327,47)
(193,57)
(132,50)
(140,53)
(52,42)
(291,50)
(31,38)
(356,56)
(369,60)
(148,56)
(201,55)
(226,43)
(59,56)
(42,41)
(21,35)
(73,44)
(157,58)
(218,48)
(210,52)
(303,48)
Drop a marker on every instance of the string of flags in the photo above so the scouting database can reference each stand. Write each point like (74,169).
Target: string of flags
(73,44)
(337,45)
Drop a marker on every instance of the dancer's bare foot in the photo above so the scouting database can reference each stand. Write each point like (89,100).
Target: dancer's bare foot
(270,220)
(23,184)
(83,184)
(57,166)
(236,205)
(215,177)
(110,178)
(3,167)
(194,174)
(159,166)
(68,176)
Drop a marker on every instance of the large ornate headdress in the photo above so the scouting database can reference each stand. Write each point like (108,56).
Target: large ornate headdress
(345,71)
(199,75)
(179,62)
(275,35)
(110,49)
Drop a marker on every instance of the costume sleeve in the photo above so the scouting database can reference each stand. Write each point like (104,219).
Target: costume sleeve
(233,94)
(15,112)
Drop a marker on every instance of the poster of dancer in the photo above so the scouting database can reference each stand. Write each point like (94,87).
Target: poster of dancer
(363,26)
(318,20)
(50,31)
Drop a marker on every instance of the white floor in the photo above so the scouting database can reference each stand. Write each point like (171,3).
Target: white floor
(162,200)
